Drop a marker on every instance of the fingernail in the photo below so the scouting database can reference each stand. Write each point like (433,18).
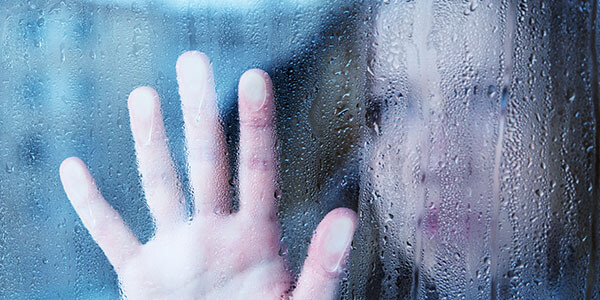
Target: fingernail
(143,104)
(75,180)
(192,74)
(254,88)
(336,242)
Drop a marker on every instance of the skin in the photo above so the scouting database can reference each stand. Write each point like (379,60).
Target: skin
(433,162)
(217,254)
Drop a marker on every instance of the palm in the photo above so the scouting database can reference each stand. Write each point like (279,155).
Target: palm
(216,254)
(208,270)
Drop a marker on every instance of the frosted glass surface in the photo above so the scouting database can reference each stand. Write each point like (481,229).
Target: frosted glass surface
(480,173)
(66,69)
(464,133)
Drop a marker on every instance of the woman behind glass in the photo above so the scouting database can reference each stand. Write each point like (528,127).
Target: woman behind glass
(480,172)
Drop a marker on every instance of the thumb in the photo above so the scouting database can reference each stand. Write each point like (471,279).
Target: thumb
(327,255)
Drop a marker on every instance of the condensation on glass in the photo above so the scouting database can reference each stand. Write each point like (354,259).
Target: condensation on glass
(66,69)
(478,158)
(480,176)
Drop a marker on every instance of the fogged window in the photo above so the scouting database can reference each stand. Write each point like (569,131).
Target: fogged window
(480,174)
(464,133)
(66,71)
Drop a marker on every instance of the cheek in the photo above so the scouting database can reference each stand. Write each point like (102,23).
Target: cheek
(439,191)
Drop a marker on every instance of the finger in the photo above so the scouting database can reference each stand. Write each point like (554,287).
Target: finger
(257,169)
(208,169)
(159,179)
(104,224)
(327,255)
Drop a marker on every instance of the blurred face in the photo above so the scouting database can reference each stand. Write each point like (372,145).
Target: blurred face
(459,172)
(433,152)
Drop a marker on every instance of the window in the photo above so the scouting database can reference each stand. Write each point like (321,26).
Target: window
(464,134)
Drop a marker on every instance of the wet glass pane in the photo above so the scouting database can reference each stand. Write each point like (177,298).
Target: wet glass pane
(464,134)
(480,172)
(67,69)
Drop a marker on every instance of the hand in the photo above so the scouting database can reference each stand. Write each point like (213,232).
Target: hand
(217,254)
